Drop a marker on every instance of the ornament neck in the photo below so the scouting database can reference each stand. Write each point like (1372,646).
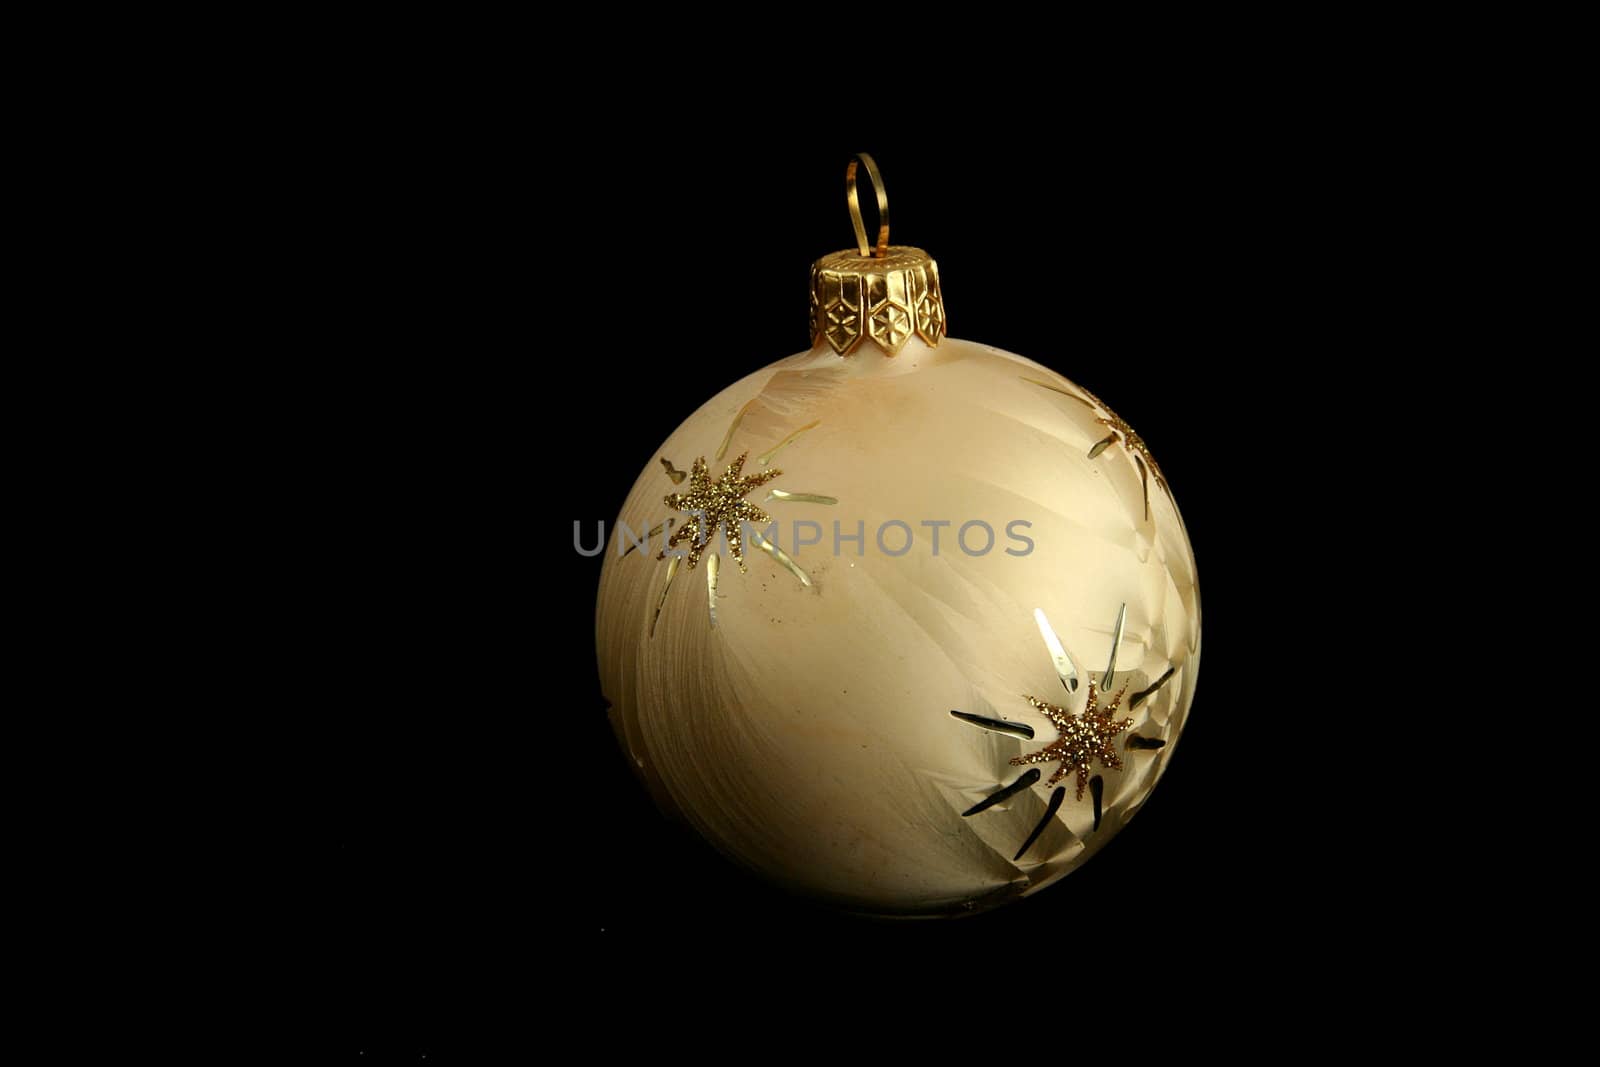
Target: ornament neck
(884,301)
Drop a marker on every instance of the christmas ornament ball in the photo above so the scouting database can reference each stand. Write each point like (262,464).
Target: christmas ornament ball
(957,662)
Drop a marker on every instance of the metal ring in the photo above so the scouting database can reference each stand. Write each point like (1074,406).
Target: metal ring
(855,207)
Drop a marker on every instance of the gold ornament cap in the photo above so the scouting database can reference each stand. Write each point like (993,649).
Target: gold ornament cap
(883,293)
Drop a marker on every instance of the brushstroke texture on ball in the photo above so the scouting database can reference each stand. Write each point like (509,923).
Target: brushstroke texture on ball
(808,735)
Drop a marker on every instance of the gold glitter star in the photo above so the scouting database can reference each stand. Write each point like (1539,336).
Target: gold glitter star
(713,504)
(1135,446)
(1120,432)
(1084,738)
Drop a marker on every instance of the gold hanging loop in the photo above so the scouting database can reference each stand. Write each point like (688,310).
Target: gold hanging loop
(855,207)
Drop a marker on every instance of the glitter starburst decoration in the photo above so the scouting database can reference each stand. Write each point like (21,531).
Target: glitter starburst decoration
(1121,432)
(1084,738)
(1135,447)
(713,504)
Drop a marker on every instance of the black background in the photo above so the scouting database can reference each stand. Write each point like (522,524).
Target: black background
(472,863)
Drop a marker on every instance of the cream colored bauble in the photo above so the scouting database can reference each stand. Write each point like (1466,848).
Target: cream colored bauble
(967,636)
